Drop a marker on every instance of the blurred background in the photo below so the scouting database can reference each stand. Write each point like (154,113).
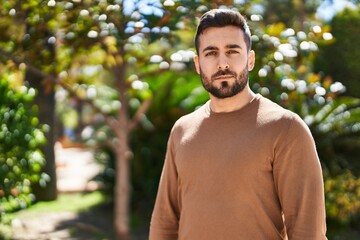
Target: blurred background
(89,90)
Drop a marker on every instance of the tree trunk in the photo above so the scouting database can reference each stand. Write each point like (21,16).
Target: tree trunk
(123,155)
(301,6)
(122,186)
(45,100)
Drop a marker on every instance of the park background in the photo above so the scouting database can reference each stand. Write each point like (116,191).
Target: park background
(110,77)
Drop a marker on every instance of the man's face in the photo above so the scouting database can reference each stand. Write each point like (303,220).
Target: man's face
(223,61)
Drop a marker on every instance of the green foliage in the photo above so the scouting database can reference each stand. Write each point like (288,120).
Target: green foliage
(25,30)
(336,128)
(289,12)
(342,198)
(344,55)
(21,136)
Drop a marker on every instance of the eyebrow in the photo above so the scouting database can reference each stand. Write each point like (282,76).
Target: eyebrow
(233,46)
(209,48)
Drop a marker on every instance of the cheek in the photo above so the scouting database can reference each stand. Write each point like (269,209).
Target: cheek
(207,68)
(204,67)
(239,64)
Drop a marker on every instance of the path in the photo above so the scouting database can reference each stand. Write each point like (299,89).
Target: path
(75,167)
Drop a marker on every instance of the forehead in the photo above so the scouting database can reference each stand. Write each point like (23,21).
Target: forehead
(221,37)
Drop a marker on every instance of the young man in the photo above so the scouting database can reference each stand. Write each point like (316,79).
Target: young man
(240,166)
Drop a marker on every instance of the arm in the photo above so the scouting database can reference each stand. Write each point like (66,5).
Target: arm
(299,182)
(165,218)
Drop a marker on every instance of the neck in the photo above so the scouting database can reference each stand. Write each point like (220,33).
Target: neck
(232,103)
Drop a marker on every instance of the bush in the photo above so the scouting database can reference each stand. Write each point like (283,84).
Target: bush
(21,135)
(342,197)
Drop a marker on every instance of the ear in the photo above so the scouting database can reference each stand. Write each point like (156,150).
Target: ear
(196,63)
(251,60)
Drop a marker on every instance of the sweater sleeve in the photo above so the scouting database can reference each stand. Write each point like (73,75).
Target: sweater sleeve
(165,218)
(298,180)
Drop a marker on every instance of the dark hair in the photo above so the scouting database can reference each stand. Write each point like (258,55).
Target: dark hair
(223,18)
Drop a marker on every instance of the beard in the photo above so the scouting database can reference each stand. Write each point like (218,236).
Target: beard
(226,89)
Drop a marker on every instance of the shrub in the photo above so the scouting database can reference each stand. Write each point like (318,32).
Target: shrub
(21,135)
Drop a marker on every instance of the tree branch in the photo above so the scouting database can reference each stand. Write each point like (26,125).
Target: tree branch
(111,121)
(108,119)
(139,114)
(19,61)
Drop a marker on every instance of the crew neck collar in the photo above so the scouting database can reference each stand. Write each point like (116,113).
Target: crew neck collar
(210,112)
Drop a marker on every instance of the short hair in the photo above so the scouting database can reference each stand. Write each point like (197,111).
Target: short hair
(223,18)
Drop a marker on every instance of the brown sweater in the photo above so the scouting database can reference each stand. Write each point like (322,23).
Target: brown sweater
(248,174)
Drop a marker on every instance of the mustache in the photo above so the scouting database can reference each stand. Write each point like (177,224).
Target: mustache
(223,72)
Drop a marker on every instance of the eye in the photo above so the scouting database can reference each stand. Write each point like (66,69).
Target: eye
(232,52)
(211,53)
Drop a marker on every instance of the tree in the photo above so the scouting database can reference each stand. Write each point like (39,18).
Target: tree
(344,56)
(293,13)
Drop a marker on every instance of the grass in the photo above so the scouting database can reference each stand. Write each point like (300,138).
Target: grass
(70,202)
(82,204)
(79,202)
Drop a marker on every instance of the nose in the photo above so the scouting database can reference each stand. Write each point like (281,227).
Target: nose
(222,65)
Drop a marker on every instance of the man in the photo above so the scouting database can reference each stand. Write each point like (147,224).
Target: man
(240,166)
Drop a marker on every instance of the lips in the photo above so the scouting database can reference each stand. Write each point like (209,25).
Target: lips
(222,77)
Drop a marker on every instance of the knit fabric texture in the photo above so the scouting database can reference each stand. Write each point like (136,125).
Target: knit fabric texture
(249,174)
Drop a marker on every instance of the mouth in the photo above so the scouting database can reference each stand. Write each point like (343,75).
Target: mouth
(223,77)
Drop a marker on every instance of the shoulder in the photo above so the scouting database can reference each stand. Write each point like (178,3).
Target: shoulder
(192,118)
(271,113)
(274,112)
(190,121)
(284,128)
